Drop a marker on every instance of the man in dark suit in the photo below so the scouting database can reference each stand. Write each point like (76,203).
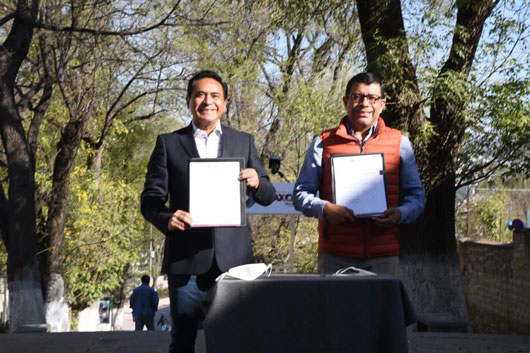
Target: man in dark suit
(202,252)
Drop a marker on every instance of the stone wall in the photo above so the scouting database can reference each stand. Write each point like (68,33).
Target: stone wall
(496,278)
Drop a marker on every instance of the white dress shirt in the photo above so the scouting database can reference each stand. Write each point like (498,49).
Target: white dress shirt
(209,146)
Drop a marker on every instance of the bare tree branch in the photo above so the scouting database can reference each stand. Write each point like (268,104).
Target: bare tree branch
(73,28)
(506,58)
(491,166)
(144,117)
(45,100)
(7,19)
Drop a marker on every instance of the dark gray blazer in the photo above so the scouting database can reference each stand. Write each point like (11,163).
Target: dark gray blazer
(193,251)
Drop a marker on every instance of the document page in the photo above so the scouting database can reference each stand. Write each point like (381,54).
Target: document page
(359,183)
(217,196)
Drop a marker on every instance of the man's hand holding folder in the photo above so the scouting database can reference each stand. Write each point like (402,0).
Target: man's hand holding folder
(389,218)
(337,214)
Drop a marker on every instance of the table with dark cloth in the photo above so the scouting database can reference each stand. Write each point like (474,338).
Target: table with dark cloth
(307,313)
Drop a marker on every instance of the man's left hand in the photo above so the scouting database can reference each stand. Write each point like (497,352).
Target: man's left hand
(250,176)
(389,218)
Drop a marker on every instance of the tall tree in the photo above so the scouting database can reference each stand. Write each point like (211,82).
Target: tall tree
(72,65)
(96,90)
(17,223)
(429,260)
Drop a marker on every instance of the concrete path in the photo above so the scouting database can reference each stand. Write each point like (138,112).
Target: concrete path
(433,342)
(86,342)
(158,342)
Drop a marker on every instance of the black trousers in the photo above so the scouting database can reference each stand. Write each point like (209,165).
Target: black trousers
(185,295)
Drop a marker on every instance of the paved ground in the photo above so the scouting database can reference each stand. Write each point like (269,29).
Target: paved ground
(86,342)
(467,343)
(158,342)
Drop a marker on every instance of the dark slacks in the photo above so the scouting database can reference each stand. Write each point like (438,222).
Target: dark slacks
(144,320)
(185,295)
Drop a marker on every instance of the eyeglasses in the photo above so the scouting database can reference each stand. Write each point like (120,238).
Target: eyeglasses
(358,98)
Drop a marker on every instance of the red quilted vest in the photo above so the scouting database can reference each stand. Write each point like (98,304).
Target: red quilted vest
(361,239)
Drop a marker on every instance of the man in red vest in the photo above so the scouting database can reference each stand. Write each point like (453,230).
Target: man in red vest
(344,239)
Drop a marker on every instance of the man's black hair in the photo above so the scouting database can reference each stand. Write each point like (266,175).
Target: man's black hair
(367,78)
(207,74)
(145,279)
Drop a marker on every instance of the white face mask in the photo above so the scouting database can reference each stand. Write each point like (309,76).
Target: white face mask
(247,272)
(353,271)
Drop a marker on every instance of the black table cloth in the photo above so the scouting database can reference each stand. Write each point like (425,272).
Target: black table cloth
(308,313)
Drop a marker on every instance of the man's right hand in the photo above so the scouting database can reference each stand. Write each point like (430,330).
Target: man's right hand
(180,220)
(336,214)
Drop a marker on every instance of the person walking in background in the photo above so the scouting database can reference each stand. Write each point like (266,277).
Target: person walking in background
(144,303)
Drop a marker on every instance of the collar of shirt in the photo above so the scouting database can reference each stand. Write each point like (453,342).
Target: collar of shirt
(370,132)
(198,132)
(208,146)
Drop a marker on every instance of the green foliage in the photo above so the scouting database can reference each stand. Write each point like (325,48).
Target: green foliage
(498,136)
(452,87)
(103,236)
(271,248)
(483,213)
(109,82)
(275,248)
(105,232)
(3,258)
(306,246)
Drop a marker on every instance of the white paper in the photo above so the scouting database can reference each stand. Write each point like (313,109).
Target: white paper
(215,194)
(360,183)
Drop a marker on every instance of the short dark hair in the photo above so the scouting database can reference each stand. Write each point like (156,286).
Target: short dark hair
(207,74)
(145,279)
(367,78)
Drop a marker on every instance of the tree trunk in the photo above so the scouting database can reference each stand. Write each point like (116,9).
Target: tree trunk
(18,223)
(25,295)
(429,263)
(57,311)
